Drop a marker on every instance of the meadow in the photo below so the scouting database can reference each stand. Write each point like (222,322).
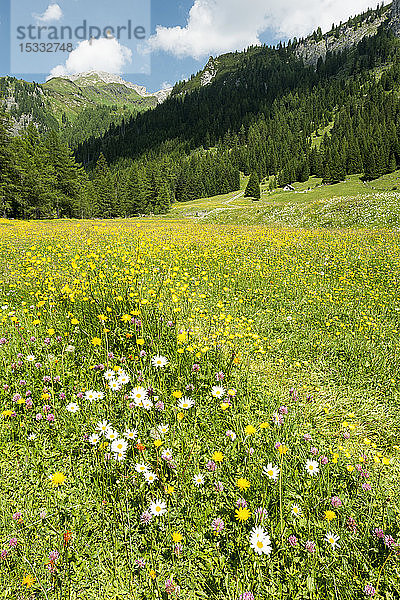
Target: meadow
(198,410)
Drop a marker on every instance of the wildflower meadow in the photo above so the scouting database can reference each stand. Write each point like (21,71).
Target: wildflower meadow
(198,411)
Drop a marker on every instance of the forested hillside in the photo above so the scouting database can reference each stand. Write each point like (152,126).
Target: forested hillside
(265,111)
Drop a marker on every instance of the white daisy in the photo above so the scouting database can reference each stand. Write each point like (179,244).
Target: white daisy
(186,403)
(198,479)
(114,385)
(141,468)
(123,378)
(108,375)
(70,348)
(72,407)
(271,472)
(94,439)
(260,541)
(90,395)
(150,477)
(30,358)
(166,454)
(163,429)
(147,403)
(217,391)
(158,508)
(99,395)
(119,456)
(31,437)
(296,510)
(138,394)
(111,435)
(119,445)
(159,361)
(103,427)
(312,467)
(332,539)
(131,434)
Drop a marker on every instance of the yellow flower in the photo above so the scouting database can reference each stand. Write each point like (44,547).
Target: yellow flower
(250,429)
(264,425)
(140,341)
(157,443)
(28,580)
(367,441)
(224,405)
(243,484)
(177,537)
(282,449)
(218,457)
(74,321)
(177,394)
(350,468)
(7,413)
(50,331)
(170,490)
(180,416)
(385,460)
(152,574)
(96,341)
(57,479)
(242,514)
(330,515)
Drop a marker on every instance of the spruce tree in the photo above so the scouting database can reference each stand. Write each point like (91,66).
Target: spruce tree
(253,187)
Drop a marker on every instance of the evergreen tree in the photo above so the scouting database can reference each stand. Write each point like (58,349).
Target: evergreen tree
(253,187)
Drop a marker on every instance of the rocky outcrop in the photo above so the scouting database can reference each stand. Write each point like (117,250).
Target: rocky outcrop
(395,17)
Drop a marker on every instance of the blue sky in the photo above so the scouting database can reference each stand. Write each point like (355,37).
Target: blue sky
(183,33)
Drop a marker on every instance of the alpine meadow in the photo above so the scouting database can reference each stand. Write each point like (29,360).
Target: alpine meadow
(199,327)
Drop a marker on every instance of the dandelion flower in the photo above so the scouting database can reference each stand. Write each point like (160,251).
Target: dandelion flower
(218,457)
(28,580)
(330,515)
(243,484)
(250,429)
(57,479)
(177,537)
(242,514)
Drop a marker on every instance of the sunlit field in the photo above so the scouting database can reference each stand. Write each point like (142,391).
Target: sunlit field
(193,411)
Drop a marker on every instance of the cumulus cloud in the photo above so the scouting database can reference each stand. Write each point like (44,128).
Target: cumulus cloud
(217,26)
(52,13)
(101,54)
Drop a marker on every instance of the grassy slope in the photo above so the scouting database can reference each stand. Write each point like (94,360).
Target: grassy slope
(348,204)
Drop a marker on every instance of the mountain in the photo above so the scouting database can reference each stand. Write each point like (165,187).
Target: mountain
(80,106)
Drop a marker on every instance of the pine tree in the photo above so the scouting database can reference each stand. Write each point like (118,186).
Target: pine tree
(253,187)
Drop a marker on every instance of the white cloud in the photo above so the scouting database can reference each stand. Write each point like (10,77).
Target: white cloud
(52,13)
(95,55)
(217,26)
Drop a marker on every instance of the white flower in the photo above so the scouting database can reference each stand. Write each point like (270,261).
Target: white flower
(166,454)
(90,395)
(114,385)
(70,348)
(119,455)
(260,541)
(163,429)
(138,394)
(332,539)
(94,439)
(99,395)
(108,375)
(30,358)
(271,472)
(141,468)
(217,391)
(150,477)
(72,407)
(158,508)
(296,510)
(31,437)
(119,445)
(186,403)
(198,479)
(159,361)
(123,378)
(131,434)
(103,427)
(312,467)
(111,435)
